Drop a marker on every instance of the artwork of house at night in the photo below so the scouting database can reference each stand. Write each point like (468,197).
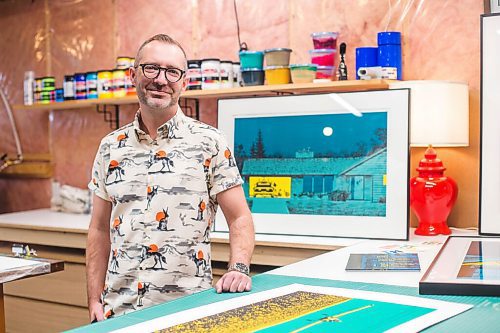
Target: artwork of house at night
(324,178)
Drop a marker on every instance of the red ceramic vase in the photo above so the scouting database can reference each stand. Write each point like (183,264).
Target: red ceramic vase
(432,195)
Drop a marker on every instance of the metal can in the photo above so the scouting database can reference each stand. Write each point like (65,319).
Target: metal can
(104,81)
(119,83)
(59,95)
(194,75)
(80,86)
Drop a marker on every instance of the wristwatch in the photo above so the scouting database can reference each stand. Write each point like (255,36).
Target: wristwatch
(239,267)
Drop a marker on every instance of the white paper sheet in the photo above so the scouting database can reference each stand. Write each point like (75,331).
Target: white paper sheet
(440,310)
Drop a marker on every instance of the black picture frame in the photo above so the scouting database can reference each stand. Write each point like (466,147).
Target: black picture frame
(455,270)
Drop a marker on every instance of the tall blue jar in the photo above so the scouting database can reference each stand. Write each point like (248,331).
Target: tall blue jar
(389,51)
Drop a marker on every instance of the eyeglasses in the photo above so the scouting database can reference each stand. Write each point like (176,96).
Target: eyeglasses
(172,74)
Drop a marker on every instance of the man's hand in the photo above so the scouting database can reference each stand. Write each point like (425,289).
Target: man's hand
(233,282)
(96,311)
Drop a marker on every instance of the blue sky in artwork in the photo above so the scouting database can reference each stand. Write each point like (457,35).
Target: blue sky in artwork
(285,135)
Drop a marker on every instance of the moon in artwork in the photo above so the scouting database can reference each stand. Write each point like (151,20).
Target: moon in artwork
(327,131)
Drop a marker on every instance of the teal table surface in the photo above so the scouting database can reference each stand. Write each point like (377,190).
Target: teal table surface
(483,317)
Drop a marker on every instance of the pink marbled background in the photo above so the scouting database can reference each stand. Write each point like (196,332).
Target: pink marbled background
(440,41)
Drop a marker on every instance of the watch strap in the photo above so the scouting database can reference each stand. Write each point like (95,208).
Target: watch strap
(239,267)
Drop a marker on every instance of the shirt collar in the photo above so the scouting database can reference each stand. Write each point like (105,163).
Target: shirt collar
(166,131)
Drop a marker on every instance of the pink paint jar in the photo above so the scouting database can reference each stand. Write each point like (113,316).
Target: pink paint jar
(325,40)
(323,57)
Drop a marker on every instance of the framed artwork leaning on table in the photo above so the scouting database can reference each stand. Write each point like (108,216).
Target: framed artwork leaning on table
(489,194)
(464,266)
(322,165)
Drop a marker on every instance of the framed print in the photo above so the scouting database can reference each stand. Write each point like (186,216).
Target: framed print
(464,266)
(324,165)
(489,209)
(491,6)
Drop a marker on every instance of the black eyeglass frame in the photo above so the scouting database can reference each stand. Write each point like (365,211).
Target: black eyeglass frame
(165,69)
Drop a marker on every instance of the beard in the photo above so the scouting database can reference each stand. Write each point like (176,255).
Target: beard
(157,102)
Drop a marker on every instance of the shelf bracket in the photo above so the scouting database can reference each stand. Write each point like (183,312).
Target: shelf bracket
(111,114)
(188,110)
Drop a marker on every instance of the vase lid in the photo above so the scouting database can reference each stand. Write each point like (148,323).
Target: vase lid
(430,162)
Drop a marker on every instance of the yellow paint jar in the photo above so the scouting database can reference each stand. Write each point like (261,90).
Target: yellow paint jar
(277,74)
(104,84)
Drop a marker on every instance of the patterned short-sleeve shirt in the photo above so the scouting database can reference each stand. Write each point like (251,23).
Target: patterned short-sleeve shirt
(163,193)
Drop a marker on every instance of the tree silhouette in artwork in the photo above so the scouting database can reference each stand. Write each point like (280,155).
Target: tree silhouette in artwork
(259,149)
(240,156)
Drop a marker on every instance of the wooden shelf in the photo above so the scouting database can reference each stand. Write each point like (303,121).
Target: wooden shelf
(264,90)
(32,166)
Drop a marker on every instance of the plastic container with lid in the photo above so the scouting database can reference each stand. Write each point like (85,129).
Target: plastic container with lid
(80,86)
(104,83)
(252,76)
(226,74)
(124,62)
(251,59)
(277,74)
(303,73)
(91,85)
(277,56)
(193,75)
(323,57)
(118,84)
(325,72)
(69,87)
(325,40)
(210,73)
(237,80)
(389,51)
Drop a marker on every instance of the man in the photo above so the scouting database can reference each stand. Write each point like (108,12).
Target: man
(155,196)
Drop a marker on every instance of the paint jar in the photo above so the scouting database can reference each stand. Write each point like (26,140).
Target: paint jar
(69,87)
(48,83)
(277,74)
(45,97)
(303,73)
(194,75)
(59,95)
(210,73)
(323,57)
(366,57)
(38,90)
(29,87)
(118,85)
(91,85)
(104,82)
(325,72)
(389,51)
(251,59)
(324,40)
(123,63)
(252,76)
(226,74)
(80,86)
(277,57)
(237,80)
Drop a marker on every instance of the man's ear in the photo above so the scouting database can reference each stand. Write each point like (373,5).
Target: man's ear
(133,73)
